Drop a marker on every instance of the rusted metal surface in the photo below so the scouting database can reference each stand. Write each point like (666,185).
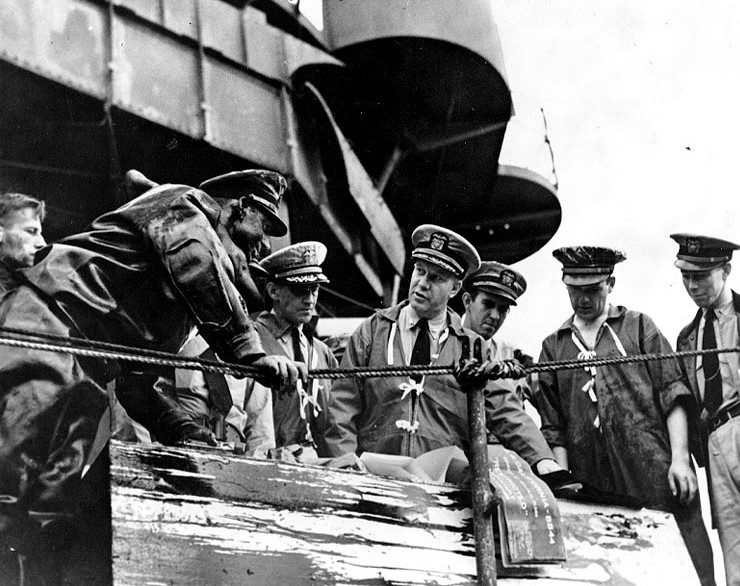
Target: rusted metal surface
(482,497)
(207,517)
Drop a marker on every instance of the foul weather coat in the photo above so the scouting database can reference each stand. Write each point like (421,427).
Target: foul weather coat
(142,276)
(378,415)
(618,443)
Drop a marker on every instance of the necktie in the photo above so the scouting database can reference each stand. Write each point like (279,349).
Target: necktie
(421,354)
(710,364)
(295,335)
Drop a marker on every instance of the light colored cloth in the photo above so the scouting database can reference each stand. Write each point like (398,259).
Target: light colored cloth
(723,451)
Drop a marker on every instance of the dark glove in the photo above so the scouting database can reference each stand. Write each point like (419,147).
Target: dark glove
(470,370)
(559,480)
(143,396)
(525,359)
(175,426)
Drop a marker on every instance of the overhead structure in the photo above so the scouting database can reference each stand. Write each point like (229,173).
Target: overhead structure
(390,115)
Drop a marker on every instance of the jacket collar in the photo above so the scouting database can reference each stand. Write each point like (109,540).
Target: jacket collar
(7,277)
(615,312)
(273,324)
(453,320)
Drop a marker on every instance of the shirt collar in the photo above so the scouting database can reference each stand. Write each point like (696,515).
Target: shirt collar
(435,324)
(721,311)
(282,327)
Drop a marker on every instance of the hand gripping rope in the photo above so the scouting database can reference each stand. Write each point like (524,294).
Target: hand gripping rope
(93,349)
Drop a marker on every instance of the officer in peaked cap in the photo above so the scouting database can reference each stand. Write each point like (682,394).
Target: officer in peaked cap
(698,253)
(704,262)
(445,249)
(298,264)
(488,295)
(260,188)
(296,422)
(621,428)
(412,414)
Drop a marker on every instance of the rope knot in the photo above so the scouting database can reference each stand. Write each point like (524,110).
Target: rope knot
(407,426)
(410,386)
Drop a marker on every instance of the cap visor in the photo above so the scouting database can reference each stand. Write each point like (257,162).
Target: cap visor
(503,296)
(276,226)
(583,280)
(685,265)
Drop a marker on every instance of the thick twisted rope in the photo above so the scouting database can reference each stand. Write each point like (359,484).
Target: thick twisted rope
(93,349)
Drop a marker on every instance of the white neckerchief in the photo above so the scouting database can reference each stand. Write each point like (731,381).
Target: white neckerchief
(584,354)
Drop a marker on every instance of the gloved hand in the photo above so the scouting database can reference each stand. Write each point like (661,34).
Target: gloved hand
(175,426)
(525,359)
(470,369)
(509,368)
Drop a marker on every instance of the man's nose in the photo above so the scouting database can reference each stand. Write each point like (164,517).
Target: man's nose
(40,242)
(265,246)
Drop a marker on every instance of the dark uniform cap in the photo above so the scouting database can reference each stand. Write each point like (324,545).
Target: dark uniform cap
(262,188)
(297,264)
(702,253)
(498,279)
(446,249)
(587,265)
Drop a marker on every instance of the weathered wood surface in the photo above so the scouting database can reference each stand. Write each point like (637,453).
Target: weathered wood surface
(184,516)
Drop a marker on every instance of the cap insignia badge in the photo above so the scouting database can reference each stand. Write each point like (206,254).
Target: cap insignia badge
(693,245)
(309,256)
(438,241)
(508,278)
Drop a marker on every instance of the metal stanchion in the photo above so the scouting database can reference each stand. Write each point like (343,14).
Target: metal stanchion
(482,496)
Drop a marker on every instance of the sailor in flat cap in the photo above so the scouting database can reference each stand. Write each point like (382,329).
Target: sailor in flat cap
(620,428)
(142,275)
(704,262)
(488,295)
(296,421)
(412,414)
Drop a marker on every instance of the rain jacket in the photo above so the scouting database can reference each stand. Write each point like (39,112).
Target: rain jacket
(378,414)
(618,443)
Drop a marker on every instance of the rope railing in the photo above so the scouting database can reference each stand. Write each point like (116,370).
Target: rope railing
(24,339)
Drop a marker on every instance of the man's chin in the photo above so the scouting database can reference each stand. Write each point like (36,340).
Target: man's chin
(422,309)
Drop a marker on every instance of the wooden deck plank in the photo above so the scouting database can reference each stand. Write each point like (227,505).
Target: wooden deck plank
(184,516)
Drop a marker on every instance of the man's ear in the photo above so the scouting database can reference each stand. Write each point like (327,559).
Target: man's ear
(271,290)
(610,283)
(727,267)
(467,299)
(456,288)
